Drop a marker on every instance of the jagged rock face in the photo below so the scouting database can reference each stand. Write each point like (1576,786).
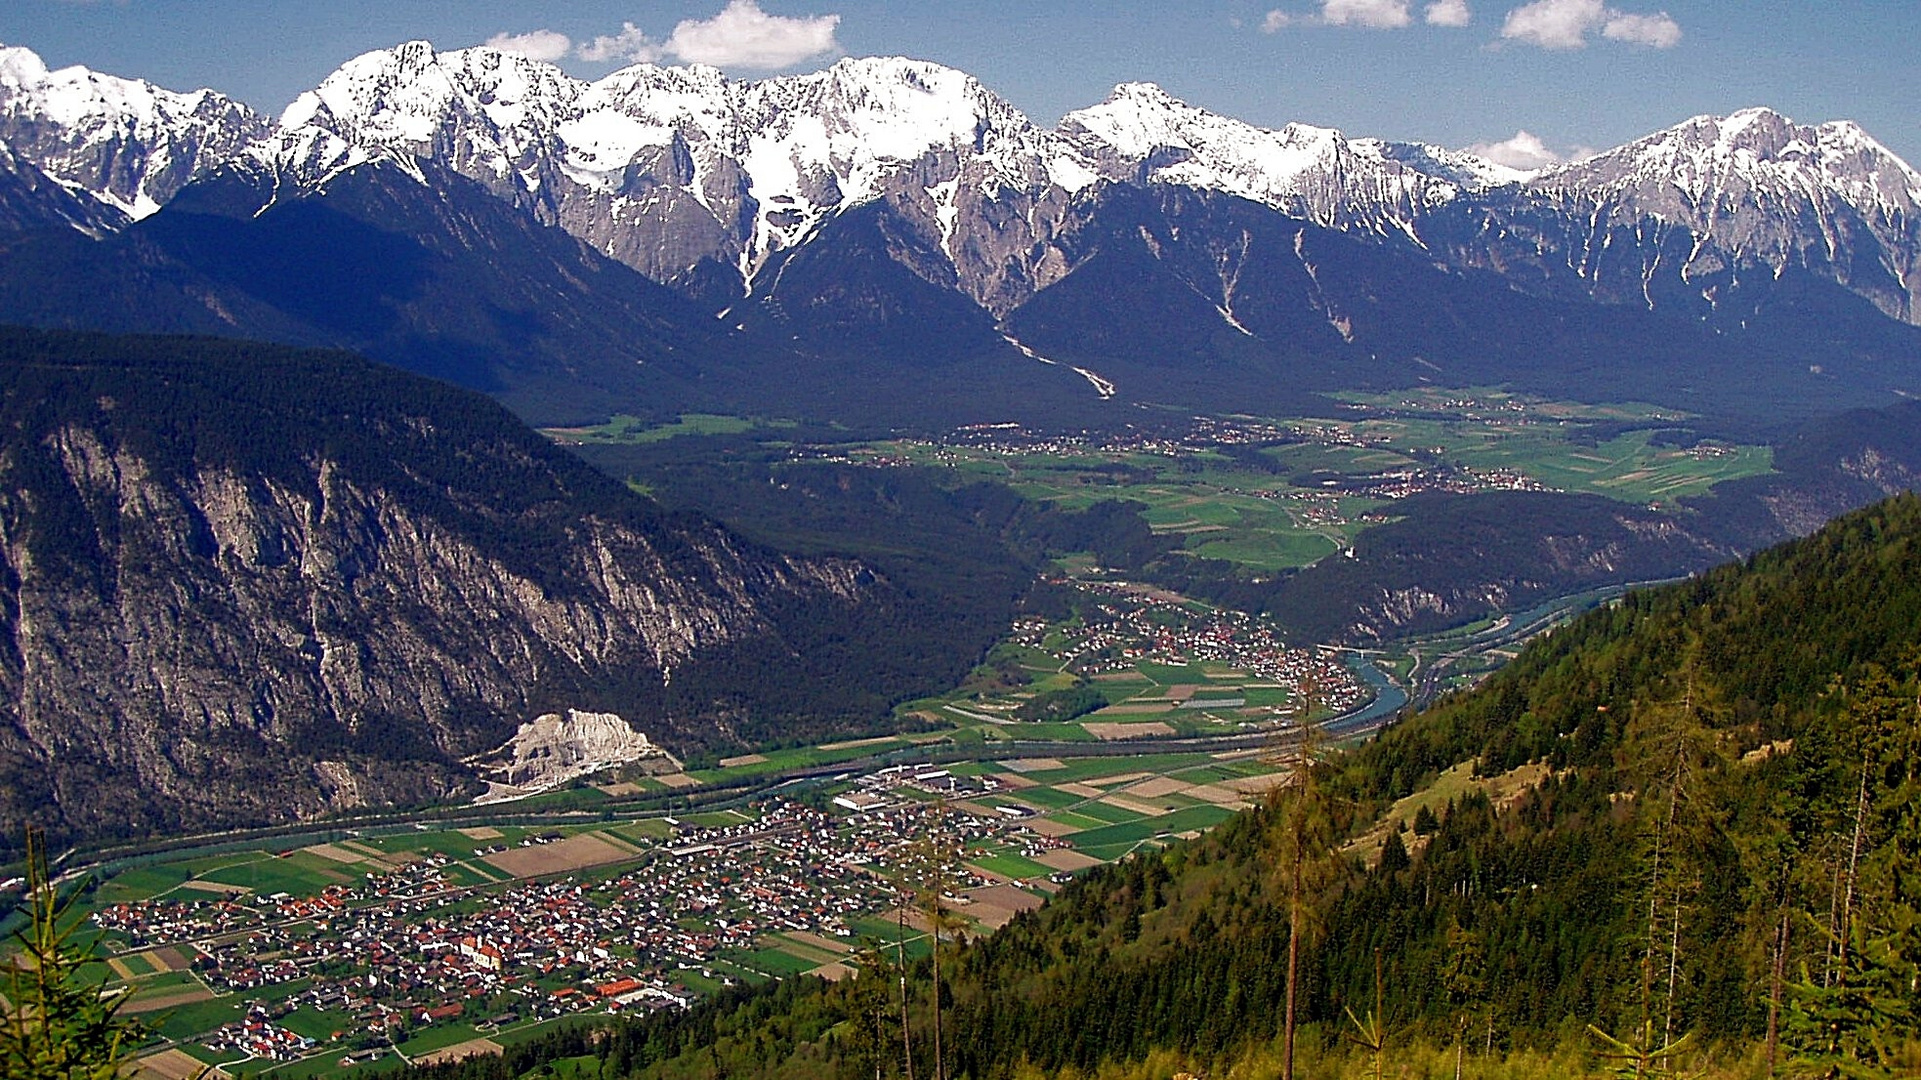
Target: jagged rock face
(30,199)
(128,142)
(213,615)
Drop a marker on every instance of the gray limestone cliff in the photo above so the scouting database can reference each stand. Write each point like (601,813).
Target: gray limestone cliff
(241,584)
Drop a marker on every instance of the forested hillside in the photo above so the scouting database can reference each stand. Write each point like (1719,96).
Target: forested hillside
(1697,828)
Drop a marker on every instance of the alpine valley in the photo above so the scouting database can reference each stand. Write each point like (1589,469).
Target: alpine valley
(589,554)
(881,245)
(884,243)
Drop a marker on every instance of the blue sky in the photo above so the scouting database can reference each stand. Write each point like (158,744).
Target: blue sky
(1573,73)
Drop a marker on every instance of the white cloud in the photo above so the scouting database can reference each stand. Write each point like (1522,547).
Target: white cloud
(1554,24)
(1525,151)
(1659,31)
(534,45)
(744,36)
(1371,14)
(630,45)
(1566,24)
(741,36)
(1374,14)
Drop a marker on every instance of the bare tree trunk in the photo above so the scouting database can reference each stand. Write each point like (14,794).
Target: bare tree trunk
(900,953)
(1380,1020)
(1674,963)
(936,917)
(1774,992)
(1834,927)
(1654,919)
(940,1063)
(1854,862)
(1293,965)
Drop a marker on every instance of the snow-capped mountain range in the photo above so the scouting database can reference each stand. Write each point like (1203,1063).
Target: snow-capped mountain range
(703,183)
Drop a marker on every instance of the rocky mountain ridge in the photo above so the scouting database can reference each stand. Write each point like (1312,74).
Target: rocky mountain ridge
(701,182)
(126,142)
(30,199)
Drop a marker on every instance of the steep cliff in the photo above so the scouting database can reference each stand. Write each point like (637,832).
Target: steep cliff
(241,583)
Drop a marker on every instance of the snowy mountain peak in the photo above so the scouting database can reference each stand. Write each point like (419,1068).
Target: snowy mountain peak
(1464,168)
(1143,134)
(1759,150)
(21,67)
(1143,92)
(410,92)
(905,107)
(1757,193)
(125,141)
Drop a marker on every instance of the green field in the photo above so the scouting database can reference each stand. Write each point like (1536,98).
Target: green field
(268,875)
(1101,811)
(798,757)
(1045,732)
(1011,866)
(438,1038)
(633,429)
(1046,798)
(1133,832)
(1277,510)
(1627,468)
(140,883)
(187,1021)
(315,1024)
(777,962)
(1066,817)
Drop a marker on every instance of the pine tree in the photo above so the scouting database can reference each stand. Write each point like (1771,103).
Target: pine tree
(1464,978)
(1671,752)
(60,1027)
(1298,811)
(1859,1018)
